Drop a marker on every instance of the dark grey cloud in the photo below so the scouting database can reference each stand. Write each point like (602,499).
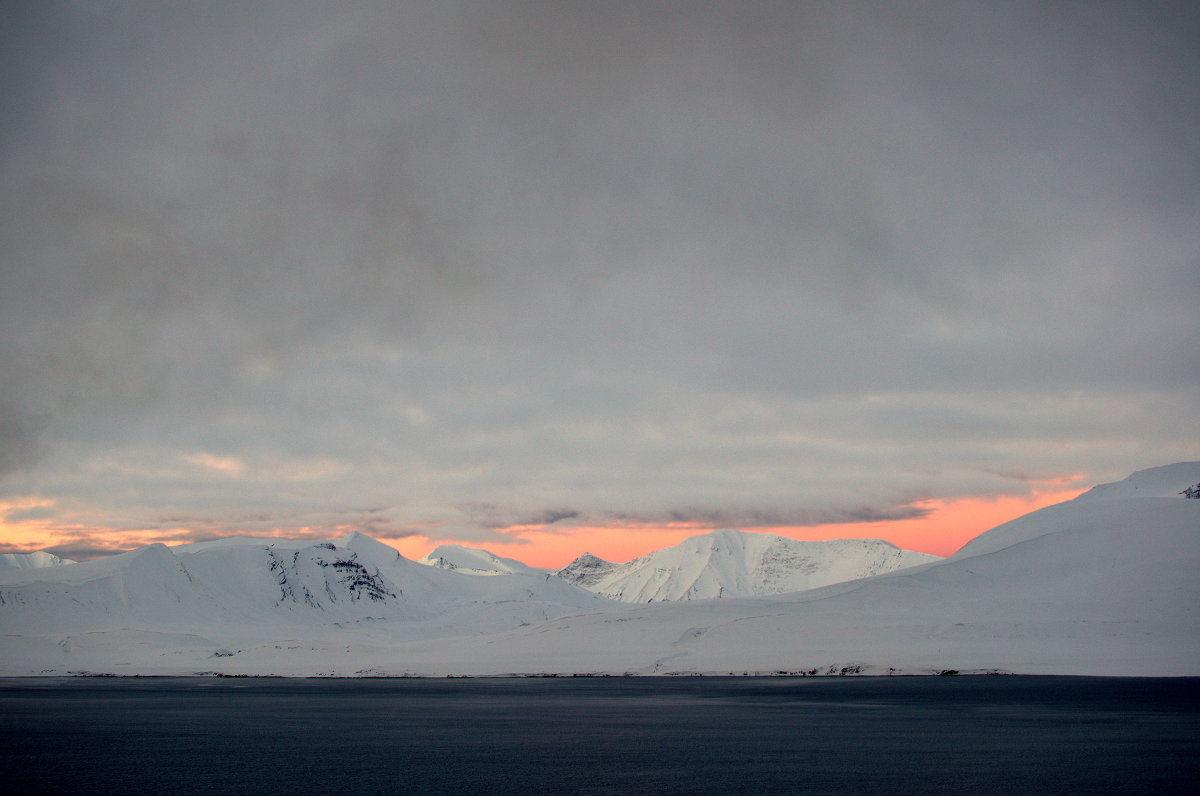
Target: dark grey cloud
(760,518)
(81,551)
(20,430)
(265,263)
(548,517)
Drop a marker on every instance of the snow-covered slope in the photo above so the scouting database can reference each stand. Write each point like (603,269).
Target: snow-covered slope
(473,561)
(235,591)
(1091,508)
(1104,584)
(1168,481)
(1102,587)
(37,560)
(732,563)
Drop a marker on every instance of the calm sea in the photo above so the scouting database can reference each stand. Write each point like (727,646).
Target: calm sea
(973,735)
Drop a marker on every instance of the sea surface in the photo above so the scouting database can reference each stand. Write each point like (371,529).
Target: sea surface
(973,735)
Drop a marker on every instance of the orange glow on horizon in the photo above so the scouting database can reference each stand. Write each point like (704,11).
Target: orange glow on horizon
(946,527)
(23,533)
(555,548)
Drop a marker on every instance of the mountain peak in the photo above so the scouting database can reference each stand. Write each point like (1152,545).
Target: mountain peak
(732,563)
(360,542)
(472,561)
(586,571)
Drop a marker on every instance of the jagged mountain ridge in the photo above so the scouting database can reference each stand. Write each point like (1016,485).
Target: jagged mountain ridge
(731,563)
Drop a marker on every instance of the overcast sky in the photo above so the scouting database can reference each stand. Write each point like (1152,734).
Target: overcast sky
(443,269)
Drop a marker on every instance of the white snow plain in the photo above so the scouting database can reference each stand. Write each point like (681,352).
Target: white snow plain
(1106,584)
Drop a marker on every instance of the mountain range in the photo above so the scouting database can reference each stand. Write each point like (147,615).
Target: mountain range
(721,564)
(1103,584)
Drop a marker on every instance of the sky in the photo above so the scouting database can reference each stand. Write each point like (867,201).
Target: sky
(548,278)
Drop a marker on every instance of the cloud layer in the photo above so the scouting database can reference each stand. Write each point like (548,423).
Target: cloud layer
(446,269)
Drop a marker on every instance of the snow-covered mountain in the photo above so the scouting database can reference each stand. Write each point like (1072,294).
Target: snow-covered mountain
(473,561)
(587,570)
(37,560)
(1138,492)
(732,563)
(239,590)
(1103,584)
(1162,481)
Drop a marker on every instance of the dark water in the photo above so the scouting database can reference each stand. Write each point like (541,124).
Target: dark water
(601,735)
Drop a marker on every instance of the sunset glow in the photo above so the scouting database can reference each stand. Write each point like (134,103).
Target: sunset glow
(948,525)
(588,277)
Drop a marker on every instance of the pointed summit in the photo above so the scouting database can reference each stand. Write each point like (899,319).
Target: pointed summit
(586,571)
